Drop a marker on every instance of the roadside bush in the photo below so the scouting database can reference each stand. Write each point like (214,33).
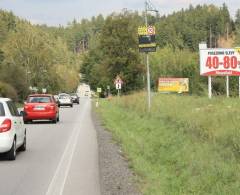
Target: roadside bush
(8,91)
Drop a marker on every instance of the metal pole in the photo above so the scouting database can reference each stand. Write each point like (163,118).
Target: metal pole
(148,84)
(147,59)
(146,20)
(210,87)
(227,85)
(239,87)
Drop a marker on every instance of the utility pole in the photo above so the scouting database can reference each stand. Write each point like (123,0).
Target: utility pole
(147,59)
(148,7)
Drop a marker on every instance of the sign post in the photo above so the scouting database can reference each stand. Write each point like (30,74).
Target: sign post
(99,90)
(227,86)
(209,87)
(238,87)
(147,43)
(108,89)
(118,83)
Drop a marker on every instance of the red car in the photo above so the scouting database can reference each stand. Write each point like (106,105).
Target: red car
(41,107)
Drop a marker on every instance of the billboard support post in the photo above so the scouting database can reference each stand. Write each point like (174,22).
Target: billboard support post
(209,87)
(239,87)
(227,85)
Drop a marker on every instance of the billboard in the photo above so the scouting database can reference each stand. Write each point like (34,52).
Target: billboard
(146,38)
(173,85)
(220,62)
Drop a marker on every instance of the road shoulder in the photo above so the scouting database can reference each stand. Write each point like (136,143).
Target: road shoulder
(115,176)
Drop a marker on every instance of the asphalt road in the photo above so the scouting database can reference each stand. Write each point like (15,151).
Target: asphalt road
(60,159)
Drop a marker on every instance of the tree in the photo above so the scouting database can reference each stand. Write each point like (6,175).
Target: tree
(237,21)
(117,54)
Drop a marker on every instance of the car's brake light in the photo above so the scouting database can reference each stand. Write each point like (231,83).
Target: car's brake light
(6,125)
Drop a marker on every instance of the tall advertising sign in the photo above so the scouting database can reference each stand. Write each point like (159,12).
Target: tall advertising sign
(146,38)
(220,62)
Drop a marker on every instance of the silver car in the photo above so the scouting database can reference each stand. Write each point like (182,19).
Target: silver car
(65,99)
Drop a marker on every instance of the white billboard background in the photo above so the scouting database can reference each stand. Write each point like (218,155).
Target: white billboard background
(220,62)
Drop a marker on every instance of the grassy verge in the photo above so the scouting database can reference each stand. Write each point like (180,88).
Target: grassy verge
(186,145)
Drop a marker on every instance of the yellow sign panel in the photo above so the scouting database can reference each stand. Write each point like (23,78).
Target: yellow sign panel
(148,45)
(173,85)
(143,30)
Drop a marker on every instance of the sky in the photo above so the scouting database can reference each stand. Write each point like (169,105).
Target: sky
(60,12)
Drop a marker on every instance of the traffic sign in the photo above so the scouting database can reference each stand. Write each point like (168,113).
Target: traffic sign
(99,90)
(118,80)
(146,38)
(151,30)
(118,86)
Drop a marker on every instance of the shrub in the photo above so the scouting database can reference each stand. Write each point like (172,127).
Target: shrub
(8,91)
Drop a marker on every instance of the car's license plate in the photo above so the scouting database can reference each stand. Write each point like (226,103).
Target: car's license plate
(39,108)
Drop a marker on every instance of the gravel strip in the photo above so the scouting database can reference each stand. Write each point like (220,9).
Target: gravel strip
(115,176)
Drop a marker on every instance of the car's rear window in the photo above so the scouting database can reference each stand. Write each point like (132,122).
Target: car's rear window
(2,111)
(39,99)
(64,96)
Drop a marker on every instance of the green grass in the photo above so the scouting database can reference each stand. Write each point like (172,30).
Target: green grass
(186,145)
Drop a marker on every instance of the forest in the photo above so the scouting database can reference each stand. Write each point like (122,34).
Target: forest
(96,50)
(32,58)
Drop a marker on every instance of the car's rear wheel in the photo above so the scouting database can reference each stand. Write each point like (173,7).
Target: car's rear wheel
(11,155)
(71,105)
(23,147)
(27,121)
(58,118)
(54,120)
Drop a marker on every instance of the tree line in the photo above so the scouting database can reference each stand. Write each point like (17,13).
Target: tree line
(101,48)
(115,51)
(33,58)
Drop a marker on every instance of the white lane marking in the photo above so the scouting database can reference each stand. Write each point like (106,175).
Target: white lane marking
(57,184)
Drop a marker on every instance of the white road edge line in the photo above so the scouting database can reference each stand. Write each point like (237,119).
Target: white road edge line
(57,184)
